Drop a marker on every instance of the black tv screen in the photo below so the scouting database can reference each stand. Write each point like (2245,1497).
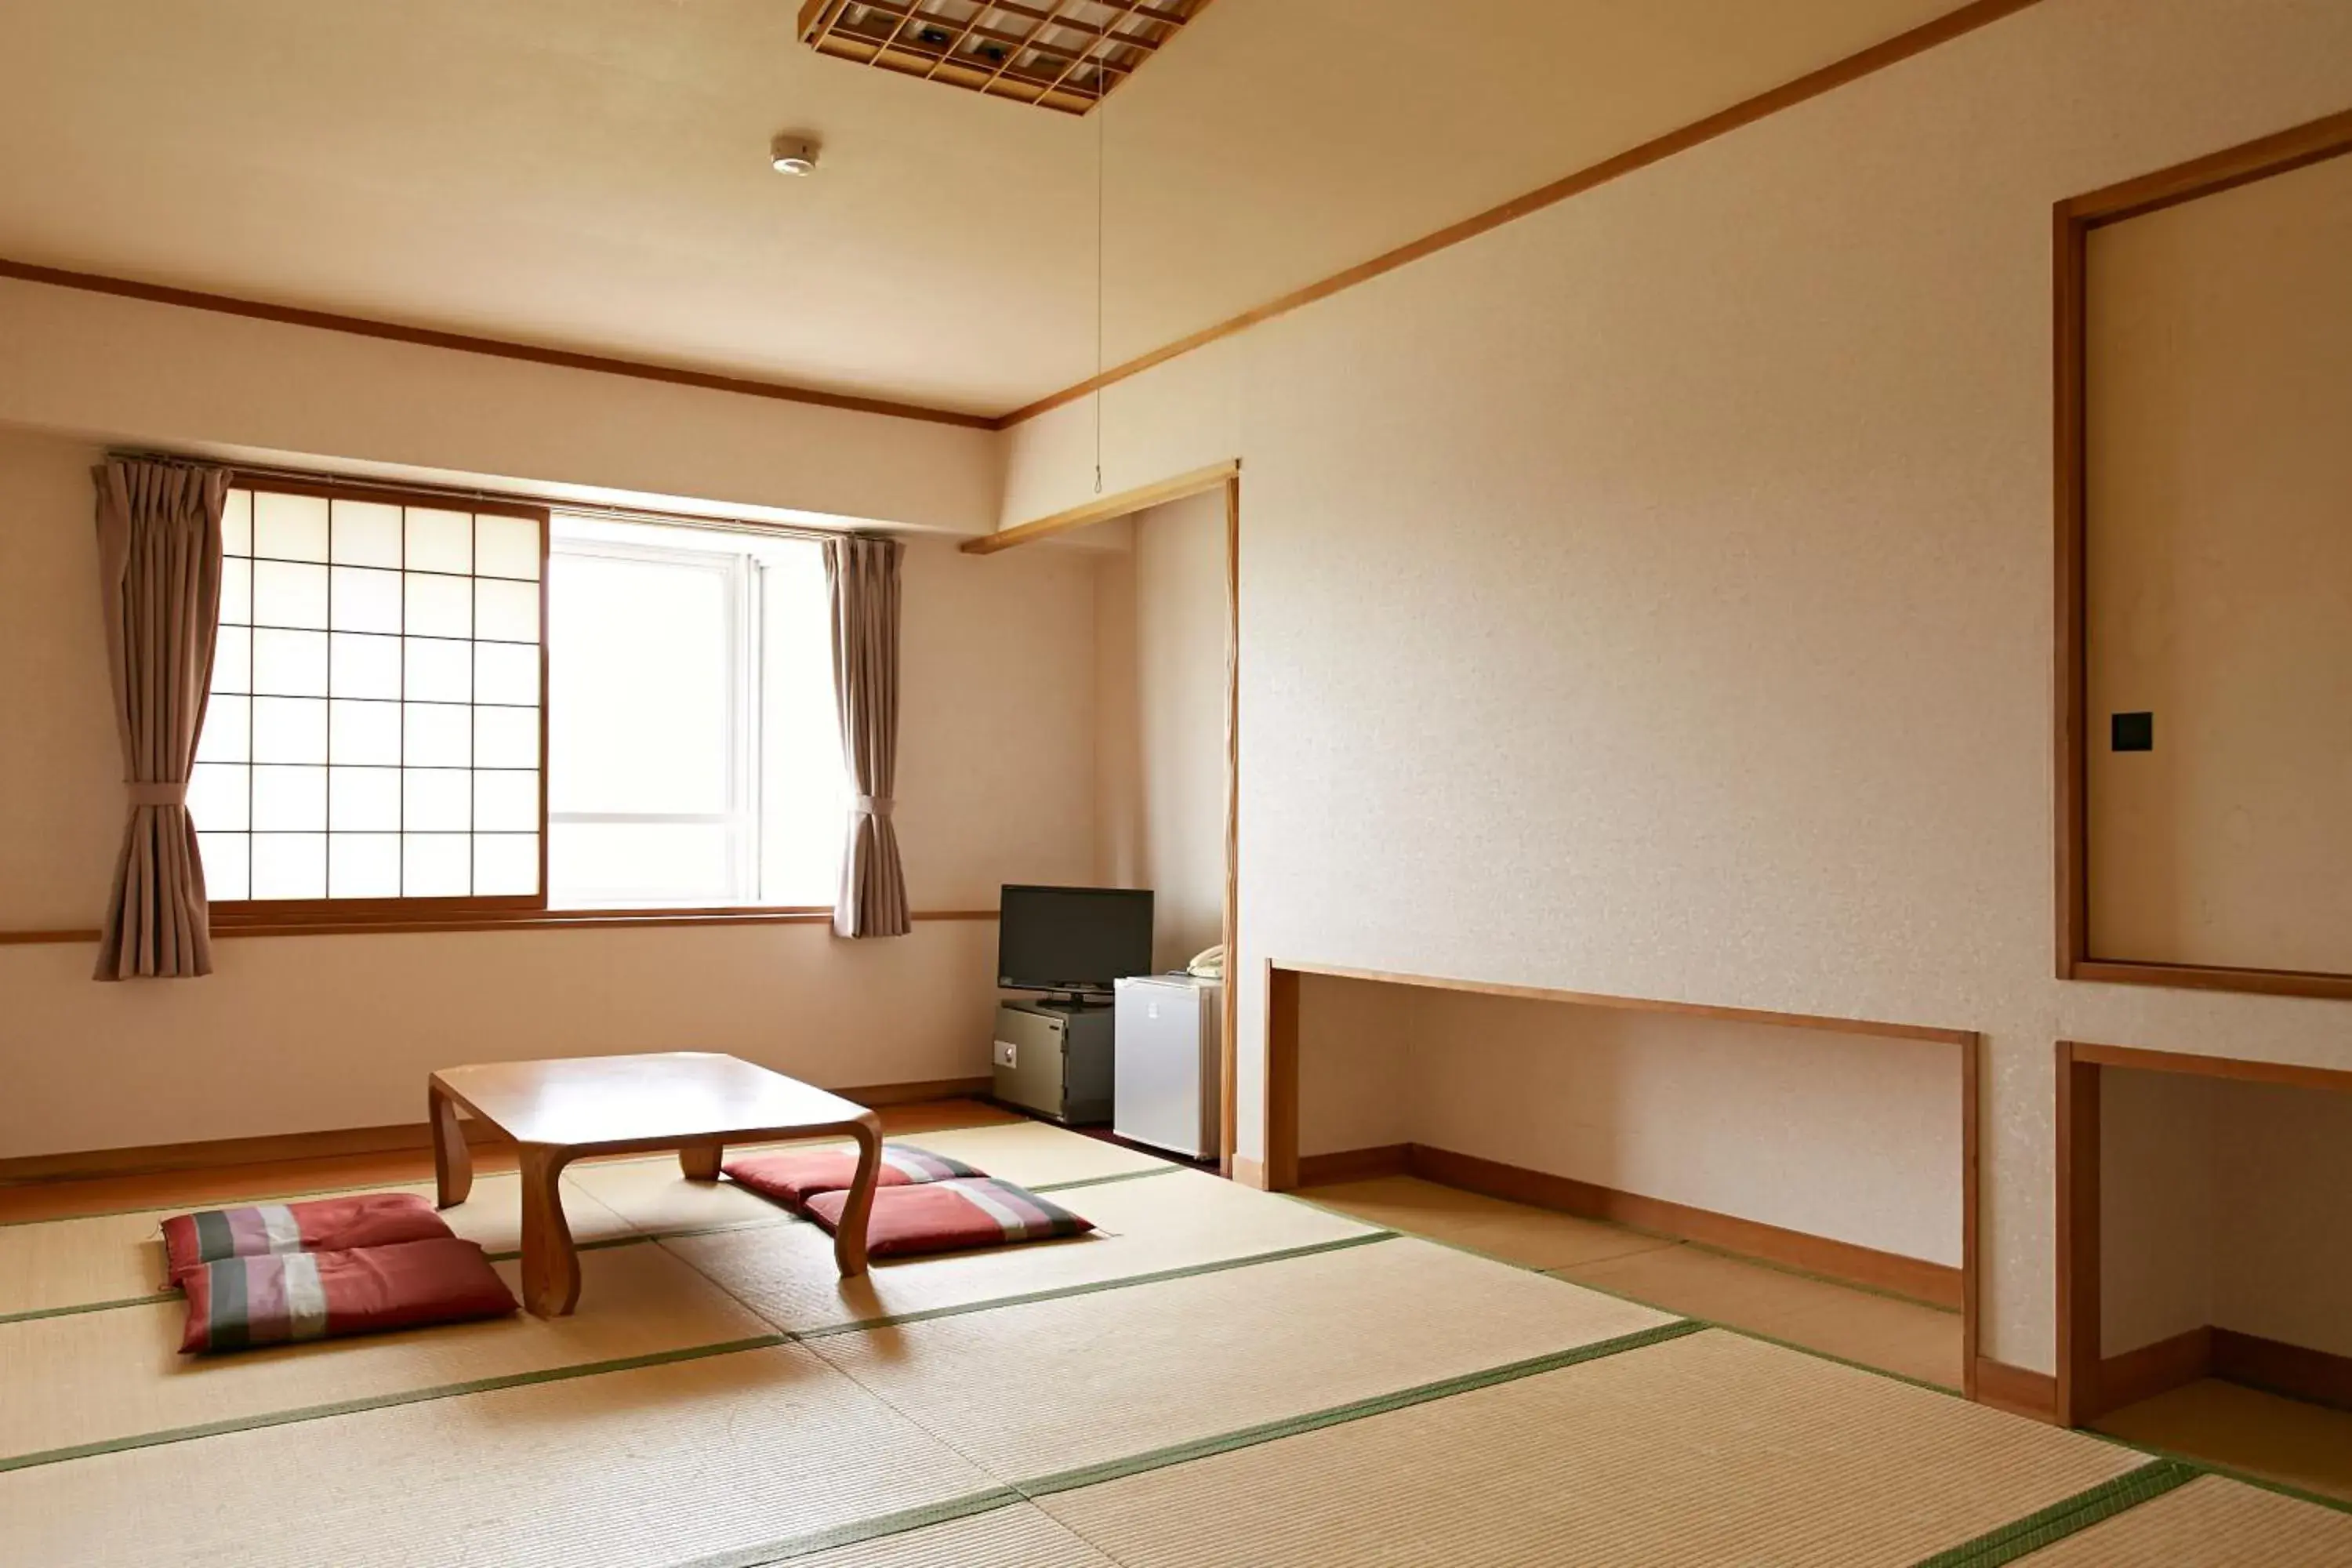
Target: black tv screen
(1072,939)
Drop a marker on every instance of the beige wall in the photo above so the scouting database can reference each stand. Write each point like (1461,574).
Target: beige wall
(1653,596)
(1839,1135)
(2222,1201)
(2158,1206)
(133,372)
(294,1034)
(2219,575)
(1161,610)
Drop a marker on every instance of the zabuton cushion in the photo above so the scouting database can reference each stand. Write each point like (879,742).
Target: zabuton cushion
(279,1298)
(320,1225)
(946,1215)
(793,1176)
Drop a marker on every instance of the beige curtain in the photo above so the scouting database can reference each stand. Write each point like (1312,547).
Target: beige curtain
(159,550)
(863,578)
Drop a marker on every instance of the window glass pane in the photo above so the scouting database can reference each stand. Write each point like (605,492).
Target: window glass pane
(366,732)
(290,730)
(237,593)
(436,865)
(363,865)
(289,865)
(639,662)
(236,523)
(506,546)
(290,528)
(365,800)
(506,672)
(366,533)
(435,800)
(362,665)
(365,600)
(506,863)
(804,790)
(290,664)
(596,863)
(506,737)
(285,595)
(233,659)
(440,541)
(506,612)
(216,796)
(440,669)
(291,800)
(506,802)
(228,732)
(227,862)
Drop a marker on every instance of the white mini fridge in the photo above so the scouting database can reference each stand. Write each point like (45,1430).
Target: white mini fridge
(1166,1092)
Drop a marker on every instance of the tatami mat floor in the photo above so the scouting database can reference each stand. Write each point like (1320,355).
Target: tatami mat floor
(1222,1377)
(1906,1338)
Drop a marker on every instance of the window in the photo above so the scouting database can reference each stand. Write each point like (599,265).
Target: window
(696,757)
(377,739)
(375,730)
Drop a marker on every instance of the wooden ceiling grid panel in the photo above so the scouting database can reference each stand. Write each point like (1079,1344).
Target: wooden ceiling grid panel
(1063,54)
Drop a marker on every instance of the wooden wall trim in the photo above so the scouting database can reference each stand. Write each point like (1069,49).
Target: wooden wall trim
(1105,508)
(326,924)
(1852,68)
(1647,1004)
(2072,220)
(2335,1081)
(155,1159)
(2016,1389)
(1228,1055)
(1938,1284)
(2317,1377)
(467,343)
(1355,1164)
(2077,1169)
(2148,1371)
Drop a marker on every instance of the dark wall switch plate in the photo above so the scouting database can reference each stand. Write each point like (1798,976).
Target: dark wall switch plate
(2131,732)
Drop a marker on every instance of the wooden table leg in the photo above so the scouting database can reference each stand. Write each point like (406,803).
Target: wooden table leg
(849,1236)
(550,1266)
(453,1162)
(700,1162)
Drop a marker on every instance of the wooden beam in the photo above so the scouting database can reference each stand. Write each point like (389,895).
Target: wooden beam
(1107,507)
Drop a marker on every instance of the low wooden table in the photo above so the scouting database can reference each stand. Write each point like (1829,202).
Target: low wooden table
(696,1102)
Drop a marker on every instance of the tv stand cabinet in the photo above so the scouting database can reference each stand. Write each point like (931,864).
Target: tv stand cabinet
(1056,1057)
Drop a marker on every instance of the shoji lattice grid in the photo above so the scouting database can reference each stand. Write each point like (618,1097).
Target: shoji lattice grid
(374,726)
(1068,55)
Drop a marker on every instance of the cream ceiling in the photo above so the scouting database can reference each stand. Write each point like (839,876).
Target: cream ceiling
(591,173)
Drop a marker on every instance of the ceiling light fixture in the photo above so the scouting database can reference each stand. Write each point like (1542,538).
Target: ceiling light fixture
(793,154)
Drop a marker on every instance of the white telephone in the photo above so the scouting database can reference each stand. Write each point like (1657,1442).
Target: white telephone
(1208,963)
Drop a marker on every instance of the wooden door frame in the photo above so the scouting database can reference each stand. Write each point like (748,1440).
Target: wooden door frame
(1281,1100)
(2072,221)
(2082,1392)
(1226,478)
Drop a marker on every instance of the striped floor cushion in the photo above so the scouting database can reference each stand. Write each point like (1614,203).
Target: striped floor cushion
(320,1225)
(793,1176)
(279,1298)
(949,1215)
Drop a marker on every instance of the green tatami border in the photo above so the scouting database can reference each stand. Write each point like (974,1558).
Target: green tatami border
(2067,1516)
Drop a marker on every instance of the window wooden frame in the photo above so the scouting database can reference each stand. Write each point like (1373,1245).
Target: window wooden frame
(2072,221)
(229,916)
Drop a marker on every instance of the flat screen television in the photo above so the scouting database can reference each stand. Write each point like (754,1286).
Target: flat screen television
(1077,940)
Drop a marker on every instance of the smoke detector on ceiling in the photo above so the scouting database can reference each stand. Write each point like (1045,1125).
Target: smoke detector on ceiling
(791,153)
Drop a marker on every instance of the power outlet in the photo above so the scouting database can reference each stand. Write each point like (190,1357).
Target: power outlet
(1007,1054)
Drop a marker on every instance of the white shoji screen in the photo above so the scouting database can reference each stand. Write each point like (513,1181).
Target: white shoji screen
(374,728)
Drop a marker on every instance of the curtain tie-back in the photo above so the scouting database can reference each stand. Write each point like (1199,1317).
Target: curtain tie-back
(875,805)
(145,792)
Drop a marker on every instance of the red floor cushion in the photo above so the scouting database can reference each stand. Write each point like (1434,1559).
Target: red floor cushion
(277,1298)
(792,1176)
(945,1215)
(320,1225)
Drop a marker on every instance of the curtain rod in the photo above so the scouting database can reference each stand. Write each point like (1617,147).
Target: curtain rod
(458,492)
